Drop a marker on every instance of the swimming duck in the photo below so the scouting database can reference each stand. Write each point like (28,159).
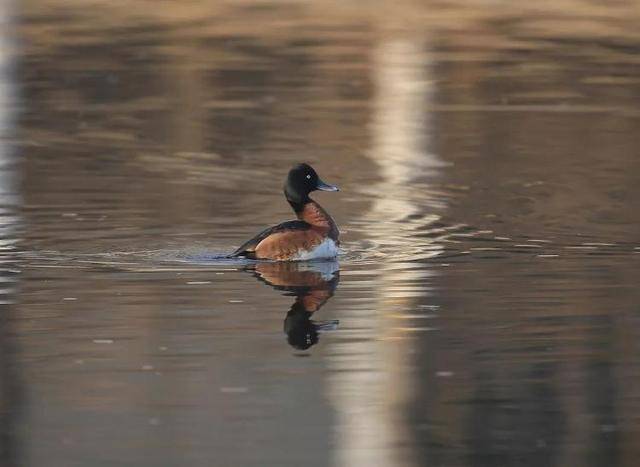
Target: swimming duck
(313,235)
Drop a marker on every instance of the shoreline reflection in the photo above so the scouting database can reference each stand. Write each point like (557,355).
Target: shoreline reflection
(313,284)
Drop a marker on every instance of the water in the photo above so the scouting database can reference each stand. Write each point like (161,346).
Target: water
(485,309)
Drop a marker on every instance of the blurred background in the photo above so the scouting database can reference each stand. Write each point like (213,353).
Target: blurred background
(485,311)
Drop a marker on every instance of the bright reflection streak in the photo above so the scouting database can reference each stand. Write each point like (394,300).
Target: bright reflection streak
(9,380)
(373,382)
(7,100)
(8,185)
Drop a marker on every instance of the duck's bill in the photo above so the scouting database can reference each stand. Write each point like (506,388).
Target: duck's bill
(326,187)
(323,326)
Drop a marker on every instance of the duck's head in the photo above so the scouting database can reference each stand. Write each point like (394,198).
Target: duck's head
(301,181)
(301,331)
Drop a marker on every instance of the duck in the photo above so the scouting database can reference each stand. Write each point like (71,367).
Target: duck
(313,235)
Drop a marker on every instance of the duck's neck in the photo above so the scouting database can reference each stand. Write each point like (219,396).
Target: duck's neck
(314,214)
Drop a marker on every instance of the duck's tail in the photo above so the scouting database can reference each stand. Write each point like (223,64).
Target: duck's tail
(241,253)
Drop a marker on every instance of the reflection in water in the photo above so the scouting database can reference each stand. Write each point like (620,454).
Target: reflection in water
(371,427)
(313,284)
(11,394)
(158,132)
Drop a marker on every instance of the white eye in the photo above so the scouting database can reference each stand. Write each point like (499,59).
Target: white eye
(309,177)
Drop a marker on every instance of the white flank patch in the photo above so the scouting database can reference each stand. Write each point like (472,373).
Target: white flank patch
(327,249)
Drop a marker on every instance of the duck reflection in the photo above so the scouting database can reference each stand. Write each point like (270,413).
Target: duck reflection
(313,284)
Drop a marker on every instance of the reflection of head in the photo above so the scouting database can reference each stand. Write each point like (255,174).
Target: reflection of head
(313,285)
(301,332)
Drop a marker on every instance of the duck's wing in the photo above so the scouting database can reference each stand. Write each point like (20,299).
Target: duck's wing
(247,249)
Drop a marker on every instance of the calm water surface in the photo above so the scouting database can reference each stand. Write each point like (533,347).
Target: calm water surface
(485,309)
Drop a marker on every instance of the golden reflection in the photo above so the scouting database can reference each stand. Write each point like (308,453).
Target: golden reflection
(9,186)
(10,380)
(371,426)
(313,284)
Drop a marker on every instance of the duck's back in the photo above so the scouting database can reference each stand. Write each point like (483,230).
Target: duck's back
(247,249)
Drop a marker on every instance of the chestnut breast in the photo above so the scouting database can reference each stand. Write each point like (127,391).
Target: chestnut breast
(314,214)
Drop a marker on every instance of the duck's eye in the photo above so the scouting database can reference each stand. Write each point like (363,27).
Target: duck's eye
(309,177)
